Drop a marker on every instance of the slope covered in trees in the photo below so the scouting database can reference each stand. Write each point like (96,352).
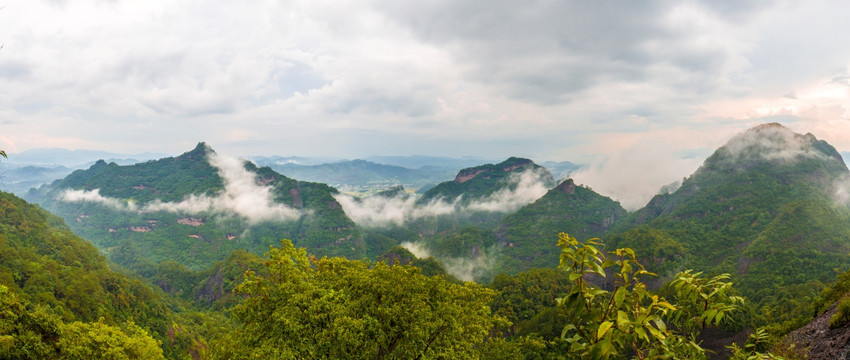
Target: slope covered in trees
(566,208)
(57,292)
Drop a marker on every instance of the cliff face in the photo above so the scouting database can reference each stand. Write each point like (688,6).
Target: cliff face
(816,341)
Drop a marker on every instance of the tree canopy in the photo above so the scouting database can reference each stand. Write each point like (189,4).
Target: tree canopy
(337,308)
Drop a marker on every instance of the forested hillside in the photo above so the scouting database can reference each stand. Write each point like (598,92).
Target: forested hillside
(59,297)
(196,209)
(566,208)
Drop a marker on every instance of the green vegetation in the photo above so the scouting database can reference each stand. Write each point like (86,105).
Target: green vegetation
(761,212)
(628,319)
(59,289)
(337,308)
(567,207)
(528,301)
(34,332)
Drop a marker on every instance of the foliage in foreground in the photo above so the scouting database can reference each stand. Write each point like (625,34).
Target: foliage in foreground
(34,332)
(338,308)
(629,321)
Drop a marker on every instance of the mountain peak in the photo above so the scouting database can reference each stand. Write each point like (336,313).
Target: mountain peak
(199,152)
(774,141)
(771,142)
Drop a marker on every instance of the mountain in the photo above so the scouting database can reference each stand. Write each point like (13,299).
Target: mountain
(363,173)
(196,209)
(767,207)
(528,235)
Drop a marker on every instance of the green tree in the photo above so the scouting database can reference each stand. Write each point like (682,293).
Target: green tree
(26,334)
(337,308)
(34,332)
(98,340)
(629,321)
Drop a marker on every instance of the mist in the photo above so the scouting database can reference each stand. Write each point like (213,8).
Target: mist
(528,188)
(381,211)
(465,269)
(94,196)
(771,142)
(636,174)
(242,196)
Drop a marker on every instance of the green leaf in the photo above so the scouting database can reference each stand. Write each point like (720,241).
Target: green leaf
(619,296)
(622,319)
(603,329)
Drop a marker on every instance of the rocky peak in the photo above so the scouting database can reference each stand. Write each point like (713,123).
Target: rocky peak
(199,152)
(566,187)
(511,164)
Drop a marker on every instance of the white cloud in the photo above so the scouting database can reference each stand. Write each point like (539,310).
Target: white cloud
(770,142)
(94,196)
(382,211)
(528,188)
(638,167)
(465,269)
(330,78)
(379,211)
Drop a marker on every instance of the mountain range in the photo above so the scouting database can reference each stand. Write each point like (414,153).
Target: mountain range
(769,207)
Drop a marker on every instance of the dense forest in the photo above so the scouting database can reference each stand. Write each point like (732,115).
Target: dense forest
(202,257)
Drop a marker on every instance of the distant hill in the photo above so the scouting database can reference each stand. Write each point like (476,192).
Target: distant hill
(75,158)
(19,179)
(272,161)
(196,209)
(434,162)
(766,207)
(364,173)
(32,168)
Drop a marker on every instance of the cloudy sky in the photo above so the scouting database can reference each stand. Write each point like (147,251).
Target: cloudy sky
(645,86)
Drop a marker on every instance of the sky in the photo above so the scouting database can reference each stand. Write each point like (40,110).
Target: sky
(640,91)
